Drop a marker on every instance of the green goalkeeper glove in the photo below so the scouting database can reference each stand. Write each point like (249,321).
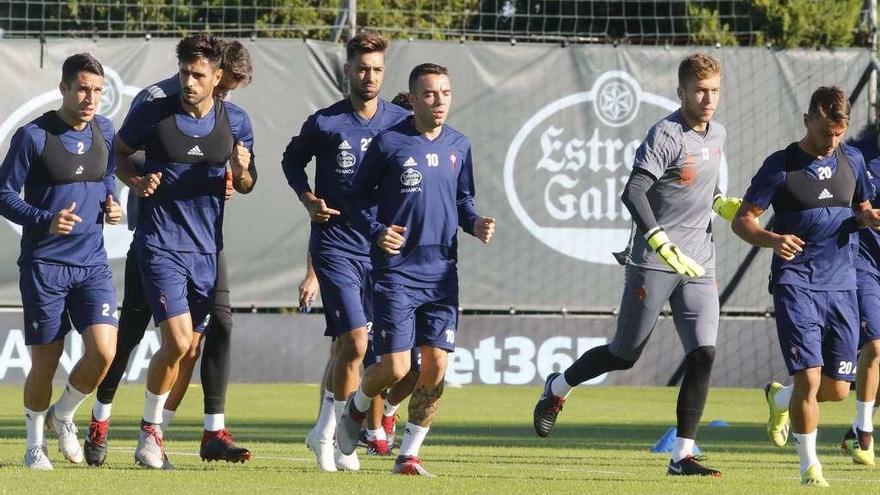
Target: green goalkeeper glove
(726,208)
(672,255)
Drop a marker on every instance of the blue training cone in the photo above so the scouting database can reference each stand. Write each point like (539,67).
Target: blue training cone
(667,442)
(719,423)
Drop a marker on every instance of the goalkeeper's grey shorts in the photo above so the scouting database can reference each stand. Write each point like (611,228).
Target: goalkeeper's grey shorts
(694,305)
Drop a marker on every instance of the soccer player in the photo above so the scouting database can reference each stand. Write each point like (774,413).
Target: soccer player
(64,162)
(421,173)
(378,435)
(217,443)
(187,139)
(337,137)
(814,185)
(858,441)
(671,257)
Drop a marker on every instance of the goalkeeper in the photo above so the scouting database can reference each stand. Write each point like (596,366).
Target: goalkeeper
(671,257)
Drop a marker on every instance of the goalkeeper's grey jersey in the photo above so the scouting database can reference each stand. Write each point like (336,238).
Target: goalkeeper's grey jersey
(687,166)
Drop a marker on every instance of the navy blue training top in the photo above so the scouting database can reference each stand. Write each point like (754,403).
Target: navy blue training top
(338,138)
(42,199)
(423,185)
(829,232)
(869,239)
(185,213)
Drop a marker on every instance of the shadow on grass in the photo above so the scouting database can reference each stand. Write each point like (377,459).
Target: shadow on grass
(600,436)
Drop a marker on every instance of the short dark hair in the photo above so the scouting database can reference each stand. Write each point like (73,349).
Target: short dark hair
(81,62)
(402,100)
(200,45)
(698,66)
(237,61)
(365,42)
(424,70)
(830,102)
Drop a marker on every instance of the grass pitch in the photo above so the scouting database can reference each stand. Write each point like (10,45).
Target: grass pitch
(482,443)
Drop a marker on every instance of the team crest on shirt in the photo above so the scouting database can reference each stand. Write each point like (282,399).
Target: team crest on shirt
(452,160)
(345,160)
(411,178)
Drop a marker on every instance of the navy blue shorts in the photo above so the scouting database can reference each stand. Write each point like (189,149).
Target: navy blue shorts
(818,328)
(869,307)
(346,292)
(176,283)
(371,358)
(53,296)
(407,317)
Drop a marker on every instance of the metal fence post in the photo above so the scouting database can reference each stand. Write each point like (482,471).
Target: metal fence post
(352,17)
(872,85)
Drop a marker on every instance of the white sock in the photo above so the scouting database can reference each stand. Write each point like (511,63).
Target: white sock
(215,422)
(560,387)
(70,399)
(864,413)
(376,434)
(806,447)
(326,426)
(167,416)
(34,422)
(783,397)
(390,408)
(101,411)
(153,405)
(683,448)
(362,401)
(413,436)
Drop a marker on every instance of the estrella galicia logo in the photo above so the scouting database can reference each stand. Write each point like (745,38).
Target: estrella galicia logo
(411,177)
(566,167)
(117,238)
(345,159)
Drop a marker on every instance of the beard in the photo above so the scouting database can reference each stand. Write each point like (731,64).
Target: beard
(365,94)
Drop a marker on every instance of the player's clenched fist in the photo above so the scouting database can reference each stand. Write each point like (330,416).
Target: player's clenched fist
(64,220)
(484,229)
(146,185)
(241,158)
(787,246)
(391,240)
(112,211)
